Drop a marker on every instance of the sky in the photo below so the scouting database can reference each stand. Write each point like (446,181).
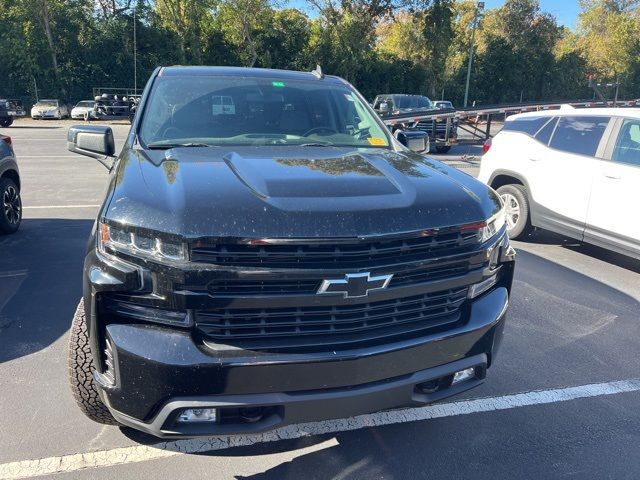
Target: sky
(565,11)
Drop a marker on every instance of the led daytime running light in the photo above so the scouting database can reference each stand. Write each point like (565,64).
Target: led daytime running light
(114,238)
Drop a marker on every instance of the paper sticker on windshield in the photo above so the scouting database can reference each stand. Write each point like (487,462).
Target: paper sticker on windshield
(377,141)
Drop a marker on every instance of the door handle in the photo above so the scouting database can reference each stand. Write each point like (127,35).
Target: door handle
(612,177)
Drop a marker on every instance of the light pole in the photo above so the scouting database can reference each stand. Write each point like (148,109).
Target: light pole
(479,7)
(135,54)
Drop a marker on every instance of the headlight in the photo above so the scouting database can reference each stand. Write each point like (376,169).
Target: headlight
(493,225)
(118,239)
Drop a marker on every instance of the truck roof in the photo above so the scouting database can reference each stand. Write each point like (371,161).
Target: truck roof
(243,72)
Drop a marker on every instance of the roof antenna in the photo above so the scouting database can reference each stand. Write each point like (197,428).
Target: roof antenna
(318,73)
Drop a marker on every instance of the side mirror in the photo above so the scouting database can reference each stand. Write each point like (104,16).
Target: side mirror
(95,141)
(414,140)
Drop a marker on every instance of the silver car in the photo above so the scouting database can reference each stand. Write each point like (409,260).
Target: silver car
(82,109)
(50,109)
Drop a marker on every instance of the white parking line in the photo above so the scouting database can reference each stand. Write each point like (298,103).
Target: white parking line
(144,453)
(36,207)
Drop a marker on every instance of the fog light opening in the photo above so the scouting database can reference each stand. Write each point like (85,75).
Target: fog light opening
(198,415)
(464,375)
(252,414)
(434,385)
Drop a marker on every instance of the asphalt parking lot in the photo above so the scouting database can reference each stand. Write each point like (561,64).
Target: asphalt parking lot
(561,401)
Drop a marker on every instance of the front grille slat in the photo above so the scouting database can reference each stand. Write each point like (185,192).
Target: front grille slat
(238,287)
(347,255)
(354,324)
(210,322)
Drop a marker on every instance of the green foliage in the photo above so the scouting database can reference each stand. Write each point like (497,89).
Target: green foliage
(66,47)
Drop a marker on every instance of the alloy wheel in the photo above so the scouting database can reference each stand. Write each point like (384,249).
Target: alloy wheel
(12,205)
(512,209)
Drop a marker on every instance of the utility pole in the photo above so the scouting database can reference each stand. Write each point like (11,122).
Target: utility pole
(479,7)
(135,54)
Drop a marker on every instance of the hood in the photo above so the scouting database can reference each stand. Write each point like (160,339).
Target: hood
(44,109)
(259,192)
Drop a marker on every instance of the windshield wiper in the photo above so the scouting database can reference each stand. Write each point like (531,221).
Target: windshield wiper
(316,144)
(165,146)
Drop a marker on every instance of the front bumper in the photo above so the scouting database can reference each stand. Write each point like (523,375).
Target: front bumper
(82,115)
(159,372)
(43,115)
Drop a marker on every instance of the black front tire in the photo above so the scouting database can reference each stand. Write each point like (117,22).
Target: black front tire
(444,149)
(6,122)
(516,199)
(81,368)
(10,206)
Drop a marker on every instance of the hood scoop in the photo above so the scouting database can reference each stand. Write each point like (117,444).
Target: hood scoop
(350,175)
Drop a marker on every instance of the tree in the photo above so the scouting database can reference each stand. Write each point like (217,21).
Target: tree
(438,33)
(528,38)
(284,41)
(240,21)
(185,18)
(402,37)
(609,36)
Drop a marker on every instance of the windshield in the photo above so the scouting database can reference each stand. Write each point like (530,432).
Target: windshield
(225,110)
(85,103)
(47,103)
(444,105)
(413,101)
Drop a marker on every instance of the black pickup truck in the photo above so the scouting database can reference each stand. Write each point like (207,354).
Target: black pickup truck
(9,109)
(267,253)
(443,133)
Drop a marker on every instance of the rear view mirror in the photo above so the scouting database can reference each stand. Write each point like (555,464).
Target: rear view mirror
(384,107)
(414,140)
(94,141)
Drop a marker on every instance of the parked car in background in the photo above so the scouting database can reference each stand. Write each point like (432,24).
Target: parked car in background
(440,136)
(443,105)
(5,119)
(10,202)
(394,104)
(267,253)
(49,109)
(571,171)
(83,109)
(9,110)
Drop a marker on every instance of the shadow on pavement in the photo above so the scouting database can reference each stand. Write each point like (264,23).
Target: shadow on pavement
(545,237)
(40,283)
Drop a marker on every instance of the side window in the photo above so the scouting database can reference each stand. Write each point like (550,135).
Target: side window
(579,135)
(544,134)
(528,125)
(627,149)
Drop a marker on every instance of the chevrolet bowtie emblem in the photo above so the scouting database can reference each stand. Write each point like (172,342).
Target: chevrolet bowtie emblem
(355,285)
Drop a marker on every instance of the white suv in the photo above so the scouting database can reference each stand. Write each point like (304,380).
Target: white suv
(573,171)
